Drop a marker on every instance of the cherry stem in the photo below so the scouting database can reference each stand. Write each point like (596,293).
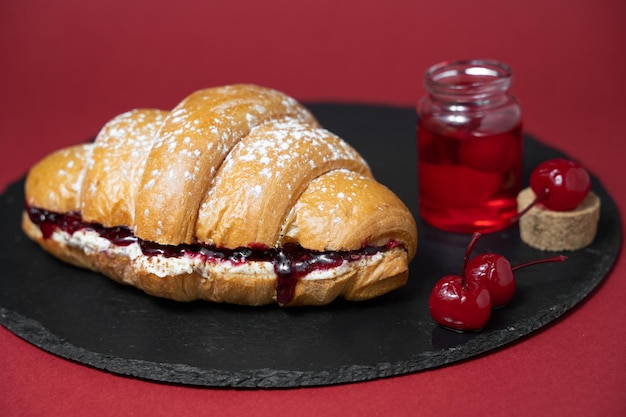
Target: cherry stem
(468,252)
(537,199)
(559,258)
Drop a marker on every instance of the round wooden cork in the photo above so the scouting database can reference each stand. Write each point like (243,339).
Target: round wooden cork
(551,230)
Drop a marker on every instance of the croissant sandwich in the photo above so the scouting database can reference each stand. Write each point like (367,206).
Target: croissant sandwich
(237,195)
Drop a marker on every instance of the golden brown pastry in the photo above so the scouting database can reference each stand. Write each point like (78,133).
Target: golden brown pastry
(237,195)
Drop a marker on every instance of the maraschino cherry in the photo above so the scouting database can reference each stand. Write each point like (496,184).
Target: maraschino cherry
(464,302)
(458,303)
(494,272)
(560,184)
(566,183)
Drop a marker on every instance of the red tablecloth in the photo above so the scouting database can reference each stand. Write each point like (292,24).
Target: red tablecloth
(67,67)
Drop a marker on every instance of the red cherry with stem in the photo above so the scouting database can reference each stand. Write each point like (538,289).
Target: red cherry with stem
(459,304)
(565,183)
(494,272)
(559,184)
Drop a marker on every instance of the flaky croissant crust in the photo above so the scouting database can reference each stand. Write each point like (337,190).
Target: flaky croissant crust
(231,166)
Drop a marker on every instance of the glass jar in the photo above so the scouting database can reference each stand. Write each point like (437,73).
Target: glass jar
(469,141)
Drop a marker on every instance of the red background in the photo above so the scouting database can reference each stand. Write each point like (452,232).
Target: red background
(67,67)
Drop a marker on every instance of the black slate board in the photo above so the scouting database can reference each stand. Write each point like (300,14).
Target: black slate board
(87,318)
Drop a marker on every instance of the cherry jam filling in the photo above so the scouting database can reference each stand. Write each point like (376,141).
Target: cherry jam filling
(291,262)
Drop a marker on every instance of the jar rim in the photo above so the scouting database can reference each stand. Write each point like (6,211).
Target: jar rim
(477,72)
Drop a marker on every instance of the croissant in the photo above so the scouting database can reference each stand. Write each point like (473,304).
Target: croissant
(236,195)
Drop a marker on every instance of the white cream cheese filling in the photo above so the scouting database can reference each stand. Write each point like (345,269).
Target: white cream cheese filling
(91,242)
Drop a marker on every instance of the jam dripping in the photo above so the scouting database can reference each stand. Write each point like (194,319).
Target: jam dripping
(291,262)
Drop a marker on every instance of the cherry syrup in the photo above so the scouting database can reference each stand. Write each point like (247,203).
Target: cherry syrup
(469,146)
(291,262)
(469,181)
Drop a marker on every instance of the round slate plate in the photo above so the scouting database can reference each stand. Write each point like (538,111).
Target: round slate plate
(87,318)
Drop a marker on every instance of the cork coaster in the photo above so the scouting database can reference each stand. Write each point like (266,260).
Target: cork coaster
(550,230)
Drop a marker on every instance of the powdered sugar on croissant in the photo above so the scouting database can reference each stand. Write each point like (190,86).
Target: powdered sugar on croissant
(237,195)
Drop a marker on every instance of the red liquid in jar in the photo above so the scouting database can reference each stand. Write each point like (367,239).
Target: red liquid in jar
(469,179)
